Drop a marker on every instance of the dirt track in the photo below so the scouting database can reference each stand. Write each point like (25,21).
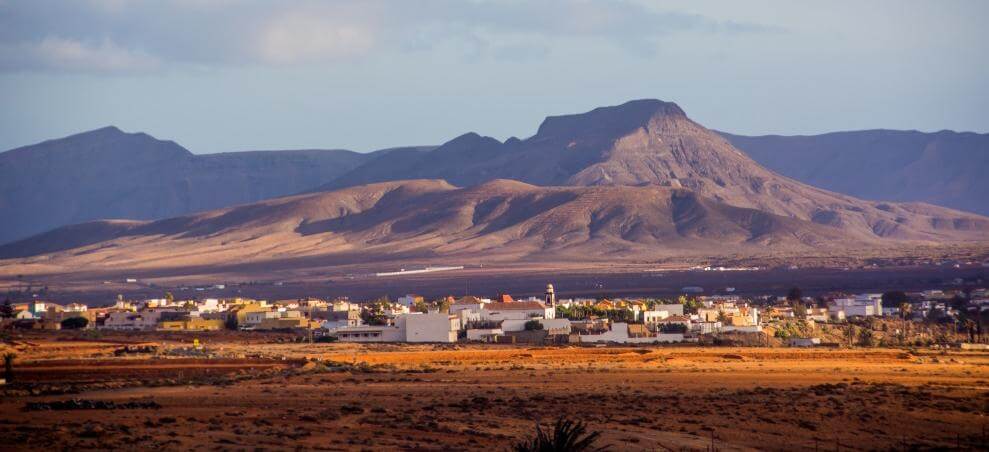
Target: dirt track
(474,397)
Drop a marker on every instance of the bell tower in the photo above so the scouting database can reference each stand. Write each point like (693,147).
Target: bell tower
(550,296)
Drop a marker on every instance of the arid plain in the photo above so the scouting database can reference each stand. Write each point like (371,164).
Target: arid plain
(267,391)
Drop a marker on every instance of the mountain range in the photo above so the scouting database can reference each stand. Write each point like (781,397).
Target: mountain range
(106,173)
(944,168)
(638,181)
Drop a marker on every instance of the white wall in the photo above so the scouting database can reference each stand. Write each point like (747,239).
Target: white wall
(481,334)
(654,315)
(672,309)
(557,326)
(385,334)
(432,327)
(619,334)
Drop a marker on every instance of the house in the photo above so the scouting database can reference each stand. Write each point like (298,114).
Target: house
(24,315)
(131,321)
(38,308)
(551,326)
(705,327)
(369,333)
(241,311)
(430,327)
(484,334)
(468,302)
(253,319)
(278,320)
(518,310)
(804,341)
(208,305)
(410,300)
(344,305)
(590,326)
(332,320)
(76,307)
(818,314)
(191,325)
(864,305)
(414,327)
(671,308)
(620,333)
(654,316)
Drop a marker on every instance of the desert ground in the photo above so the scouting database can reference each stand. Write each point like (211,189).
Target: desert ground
(268,391)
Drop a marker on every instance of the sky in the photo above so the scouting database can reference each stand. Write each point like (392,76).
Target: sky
(226,75)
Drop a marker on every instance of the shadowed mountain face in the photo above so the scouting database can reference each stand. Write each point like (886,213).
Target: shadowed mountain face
(944,168)
(107,173)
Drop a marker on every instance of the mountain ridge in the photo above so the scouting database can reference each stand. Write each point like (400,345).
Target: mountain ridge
(942,168)
(639,143)
(108,173)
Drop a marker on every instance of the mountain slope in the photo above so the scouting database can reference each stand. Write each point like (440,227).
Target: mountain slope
(944,168)
(643,142)
(498,220)
(107,173)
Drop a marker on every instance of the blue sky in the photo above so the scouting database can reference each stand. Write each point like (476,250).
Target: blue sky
(224,75)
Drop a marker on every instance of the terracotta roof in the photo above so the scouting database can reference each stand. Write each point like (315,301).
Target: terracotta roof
(514,306)
(470,299)
(676,318)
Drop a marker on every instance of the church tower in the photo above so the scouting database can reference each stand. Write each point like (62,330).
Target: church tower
(550,296)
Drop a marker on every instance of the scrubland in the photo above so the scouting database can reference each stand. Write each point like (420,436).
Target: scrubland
(268,392)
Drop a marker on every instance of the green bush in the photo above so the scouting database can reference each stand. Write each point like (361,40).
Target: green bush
(533,325)
(75,323)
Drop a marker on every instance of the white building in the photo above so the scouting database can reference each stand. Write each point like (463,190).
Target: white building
(369,333)
(76,307)
(654,316)
(484,334)
(551,326)
(132,321)
(208,305)
(414,327)
(409,300)
(619,334)
(431,327)
(672,308)
(516,310)
(340,319)
(863,305)
(253,319)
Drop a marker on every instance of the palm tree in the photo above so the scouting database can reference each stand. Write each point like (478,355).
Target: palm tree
(567,436)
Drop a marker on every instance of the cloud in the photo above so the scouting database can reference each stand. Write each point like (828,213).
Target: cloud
(59,54)
(307,36)
(127,36)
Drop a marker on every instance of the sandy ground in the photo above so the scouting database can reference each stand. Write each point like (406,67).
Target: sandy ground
(255,394)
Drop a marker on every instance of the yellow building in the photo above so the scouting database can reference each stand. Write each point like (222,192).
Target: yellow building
(191,325)
(285,323)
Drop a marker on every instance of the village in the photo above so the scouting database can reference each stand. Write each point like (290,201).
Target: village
(939,317)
